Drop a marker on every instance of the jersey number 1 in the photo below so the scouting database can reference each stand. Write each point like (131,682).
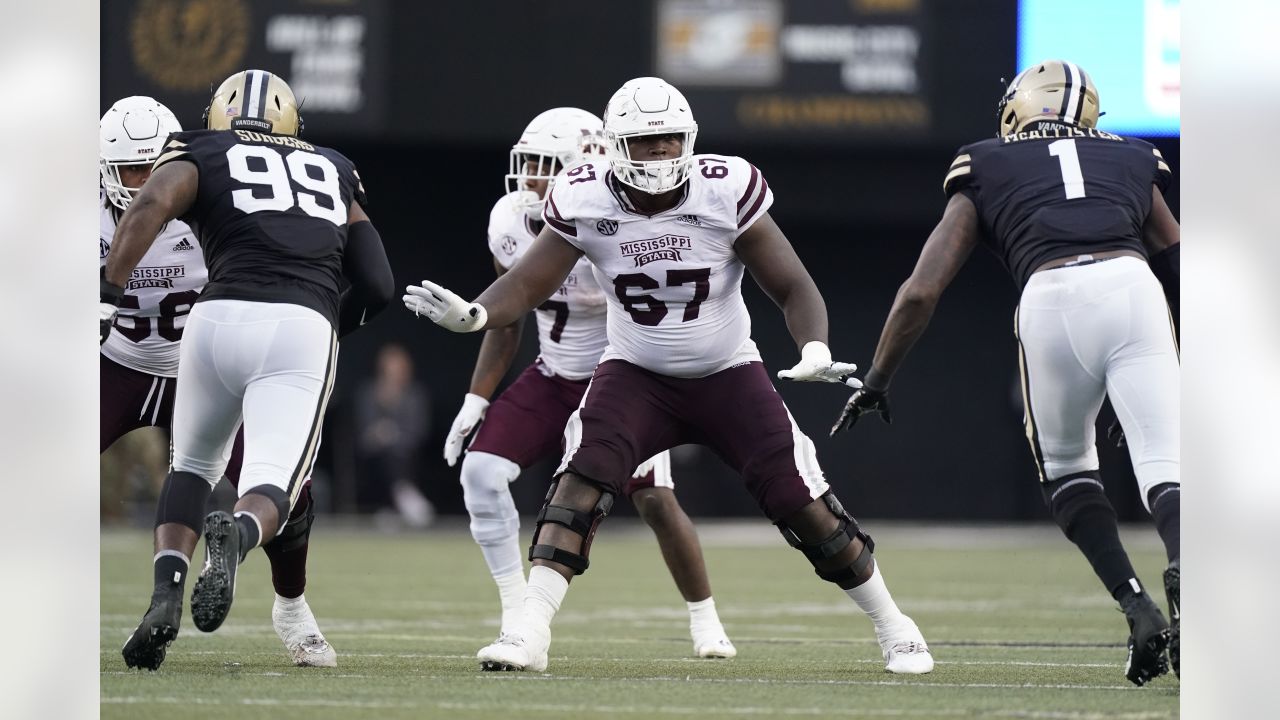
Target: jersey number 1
(275,176)
(1069,164)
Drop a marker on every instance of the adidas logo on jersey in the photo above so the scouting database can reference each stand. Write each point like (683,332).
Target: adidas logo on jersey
(184,244)
(689,220)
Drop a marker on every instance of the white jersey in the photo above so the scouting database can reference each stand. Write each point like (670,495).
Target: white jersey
(571,324)
(676,304)
(157,298)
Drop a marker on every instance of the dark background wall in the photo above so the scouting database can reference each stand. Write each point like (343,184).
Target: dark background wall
(451,85)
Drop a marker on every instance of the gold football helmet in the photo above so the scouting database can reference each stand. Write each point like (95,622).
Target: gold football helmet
(1051,90)
(254,100)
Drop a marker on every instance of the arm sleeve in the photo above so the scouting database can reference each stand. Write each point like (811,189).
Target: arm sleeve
(750,189)
(959,177)
(365,265)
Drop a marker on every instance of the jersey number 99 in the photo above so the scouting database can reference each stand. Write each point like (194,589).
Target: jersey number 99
(279,175)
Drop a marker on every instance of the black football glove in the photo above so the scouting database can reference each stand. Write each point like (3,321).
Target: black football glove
(1115,433)
(863,401)
(109,297)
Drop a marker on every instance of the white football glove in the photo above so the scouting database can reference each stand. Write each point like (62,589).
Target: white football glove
(816,366)
(106,318)
(472,412)
(445,307)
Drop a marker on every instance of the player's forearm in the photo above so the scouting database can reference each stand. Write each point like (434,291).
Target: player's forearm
(907,321)
(497,352)
(805,313)
(134,235)
(512,296)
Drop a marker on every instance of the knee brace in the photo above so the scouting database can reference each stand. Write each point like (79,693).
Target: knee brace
(1075,498)
(297,530)
(486,492)
(582,523)
(182,500)
(834,544)
(277,496)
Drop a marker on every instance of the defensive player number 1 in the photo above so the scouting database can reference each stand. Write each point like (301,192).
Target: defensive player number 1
(649,310)
(1069,164)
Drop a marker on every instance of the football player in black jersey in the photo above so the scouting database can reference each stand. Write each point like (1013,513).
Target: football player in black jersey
(1077,216)
(293,263)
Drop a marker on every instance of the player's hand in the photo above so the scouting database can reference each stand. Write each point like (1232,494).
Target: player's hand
(106,318)
(472,412)
(1115,433)
(816,366)
(863,402)
(445,307)
(109,297)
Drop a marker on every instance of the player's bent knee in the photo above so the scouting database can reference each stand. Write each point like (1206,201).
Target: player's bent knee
(209,472)
(487,474)
(1076,497)
(182,500)
(579,522)
(821,552)
(278,497)
(297,532)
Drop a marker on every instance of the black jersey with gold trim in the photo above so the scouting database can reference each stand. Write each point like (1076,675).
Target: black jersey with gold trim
(1055,190)
(271,215)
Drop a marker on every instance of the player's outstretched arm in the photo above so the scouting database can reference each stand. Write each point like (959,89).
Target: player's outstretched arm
(944,253)
(169,192)
(773,262)
(497,353)
(365,265)
(538,274)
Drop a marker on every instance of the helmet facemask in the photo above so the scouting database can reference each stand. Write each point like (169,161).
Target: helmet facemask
(651,176)
(528,167)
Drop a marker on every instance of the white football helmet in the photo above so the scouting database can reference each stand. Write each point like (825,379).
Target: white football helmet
(649,106)
(132,132)
(557,139)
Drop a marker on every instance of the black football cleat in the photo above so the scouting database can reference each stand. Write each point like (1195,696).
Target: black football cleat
(148,644)
(216,586)
(1148,638)
(1172,583)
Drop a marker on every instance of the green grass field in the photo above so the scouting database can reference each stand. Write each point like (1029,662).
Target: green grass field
(1016,620)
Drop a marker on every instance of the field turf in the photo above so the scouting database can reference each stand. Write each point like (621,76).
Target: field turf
(1018,624)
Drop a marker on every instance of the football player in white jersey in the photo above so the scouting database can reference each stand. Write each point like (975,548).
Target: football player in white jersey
(669,234)
(138,373)
(526,423)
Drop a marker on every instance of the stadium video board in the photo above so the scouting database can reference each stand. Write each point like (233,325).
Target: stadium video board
(1131,48)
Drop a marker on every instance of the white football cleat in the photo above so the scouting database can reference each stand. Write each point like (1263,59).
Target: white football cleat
(301,636)
(905,651)
(715,647)
(512,652)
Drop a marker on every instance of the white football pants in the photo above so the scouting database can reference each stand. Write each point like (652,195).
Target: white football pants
(270,364)
(1090,331)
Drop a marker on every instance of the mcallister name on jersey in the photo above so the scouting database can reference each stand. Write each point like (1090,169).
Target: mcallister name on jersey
(286,140)
(1046,130)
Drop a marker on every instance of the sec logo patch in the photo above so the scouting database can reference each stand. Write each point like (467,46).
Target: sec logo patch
(606,226)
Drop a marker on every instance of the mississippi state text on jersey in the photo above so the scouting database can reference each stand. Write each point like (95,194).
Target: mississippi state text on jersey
(571,323)
(672,280)
(271,214)
(1057,190)
(156,299)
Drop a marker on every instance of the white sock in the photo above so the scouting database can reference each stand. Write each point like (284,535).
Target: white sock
(874,599)
(542,598)
(504,557)
(511,591)
(290,604)
(703,616)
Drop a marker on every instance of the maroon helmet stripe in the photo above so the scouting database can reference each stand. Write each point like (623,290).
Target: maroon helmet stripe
(751,185)
(764,190)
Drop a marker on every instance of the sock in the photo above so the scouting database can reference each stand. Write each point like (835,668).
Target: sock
(874,599)
(250,532)
(170,569)
(1165,501)
(1082,510)
(288,604)
(542,598)
(703,617)
(511,588)
(289,567)
(504,557)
